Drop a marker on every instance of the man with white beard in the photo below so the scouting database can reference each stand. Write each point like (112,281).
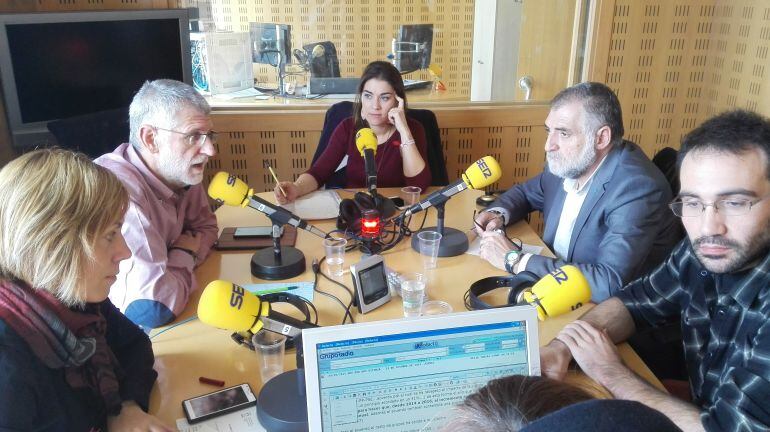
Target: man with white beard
(603,201)
(169,226)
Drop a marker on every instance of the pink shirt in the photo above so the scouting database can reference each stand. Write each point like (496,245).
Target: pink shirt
(155,283)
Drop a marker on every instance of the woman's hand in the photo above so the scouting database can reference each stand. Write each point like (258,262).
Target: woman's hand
(291,190)
(133,419)
(397,117)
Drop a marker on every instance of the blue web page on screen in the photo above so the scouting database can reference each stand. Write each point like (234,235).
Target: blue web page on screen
(409,381)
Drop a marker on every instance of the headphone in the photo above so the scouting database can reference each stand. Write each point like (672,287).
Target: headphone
(518,283)
(300,303)
(351,209)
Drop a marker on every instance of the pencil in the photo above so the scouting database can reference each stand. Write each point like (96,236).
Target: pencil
(278,183)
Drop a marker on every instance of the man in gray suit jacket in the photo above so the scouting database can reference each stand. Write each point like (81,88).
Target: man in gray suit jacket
(604,203)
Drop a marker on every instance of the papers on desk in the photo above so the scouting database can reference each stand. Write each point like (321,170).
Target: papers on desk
(321,204)
(245,93)
(475,245)
(244,420)
(302,289)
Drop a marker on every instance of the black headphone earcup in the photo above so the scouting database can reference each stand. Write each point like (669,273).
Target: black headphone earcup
(384,205)
(350,215)
(520,282)
(364,201)
(296,301)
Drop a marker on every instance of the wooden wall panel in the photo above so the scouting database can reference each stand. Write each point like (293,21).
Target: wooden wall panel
(675,63)
(656,64)
(738,68)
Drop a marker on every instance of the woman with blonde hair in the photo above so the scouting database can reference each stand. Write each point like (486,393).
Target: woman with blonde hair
(69,359)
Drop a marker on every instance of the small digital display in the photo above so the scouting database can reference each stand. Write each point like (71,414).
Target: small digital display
(374,285)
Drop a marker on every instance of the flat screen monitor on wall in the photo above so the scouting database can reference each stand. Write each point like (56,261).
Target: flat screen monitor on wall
(64,64)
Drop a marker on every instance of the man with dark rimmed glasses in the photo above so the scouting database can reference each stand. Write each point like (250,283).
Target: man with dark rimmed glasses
(716,284)
(169,226)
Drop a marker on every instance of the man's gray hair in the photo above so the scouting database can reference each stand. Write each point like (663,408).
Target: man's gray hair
(158,103)
(600,104)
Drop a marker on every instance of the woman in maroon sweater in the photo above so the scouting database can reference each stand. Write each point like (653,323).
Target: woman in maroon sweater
(401,147)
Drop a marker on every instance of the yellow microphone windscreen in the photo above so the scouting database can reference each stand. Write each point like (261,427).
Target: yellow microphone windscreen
(366,139)
(564,289)
(229,189)
(228,306)
(482,173)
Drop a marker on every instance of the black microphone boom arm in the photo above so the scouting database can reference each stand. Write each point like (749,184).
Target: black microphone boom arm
(281,216)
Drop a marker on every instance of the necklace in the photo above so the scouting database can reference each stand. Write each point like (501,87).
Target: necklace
(382,149)
(386,136)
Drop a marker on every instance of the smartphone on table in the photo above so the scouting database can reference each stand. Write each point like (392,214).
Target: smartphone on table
(219,402)
(398,201)
(254,231)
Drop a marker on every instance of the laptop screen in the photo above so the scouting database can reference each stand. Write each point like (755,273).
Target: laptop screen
(408,381)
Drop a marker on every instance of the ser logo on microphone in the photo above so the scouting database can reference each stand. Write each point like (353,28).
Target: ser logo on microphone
(484,168)
(231,179)
(560,275)
(236,297)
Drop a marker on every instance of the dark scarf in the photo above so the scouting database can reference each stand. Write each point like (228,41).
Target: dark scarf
(64,338)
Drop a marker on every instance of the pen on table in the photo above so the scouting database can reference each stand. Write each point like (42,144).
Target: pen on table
(277,182)
(277,290)
(211,381)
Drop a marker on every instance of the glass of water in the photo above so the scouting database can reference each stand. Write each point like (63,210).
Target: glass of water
(413,293)
(270,348)
(335,255)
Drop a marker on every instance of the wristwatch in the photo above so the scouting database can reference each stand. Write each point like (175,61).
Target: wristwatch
(511,259)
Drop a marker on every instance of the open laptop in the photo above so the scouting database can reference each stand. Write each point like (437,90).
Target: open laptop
(407,374)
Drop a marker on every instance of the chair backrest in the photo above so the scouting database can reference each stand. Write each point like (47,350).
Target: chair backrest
(342,110)
(665,160)
(93,134)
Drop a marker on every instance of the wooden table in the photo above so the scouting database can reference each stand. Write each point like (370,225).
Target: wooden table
(194,349)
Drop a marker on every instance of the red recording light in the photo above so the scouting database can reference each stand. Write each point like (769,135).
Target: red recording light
(370,224)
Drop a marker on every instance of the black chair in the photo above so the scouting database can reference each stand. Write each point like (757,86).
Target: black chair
(662,347)
(93,134)
(342,110)
(665,160)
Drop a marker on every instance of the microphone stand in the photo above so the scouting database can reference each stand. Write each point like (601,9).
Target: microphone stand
(453,241)
(278,262)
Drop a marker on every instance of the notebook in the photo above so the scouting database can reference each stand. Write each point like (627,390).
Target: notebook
(407,374)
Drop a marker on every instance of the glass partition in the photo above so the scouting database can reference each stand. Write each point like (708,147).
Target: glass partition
(482,50)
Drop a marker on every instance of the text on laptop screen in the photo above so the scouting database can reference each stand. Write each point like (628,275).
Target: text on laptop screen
(407,381)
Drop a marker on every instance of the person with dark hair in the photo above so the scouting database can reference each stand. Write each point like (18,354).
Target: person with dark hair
(401,146)
(716,283)
(602,199)
(510,403)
